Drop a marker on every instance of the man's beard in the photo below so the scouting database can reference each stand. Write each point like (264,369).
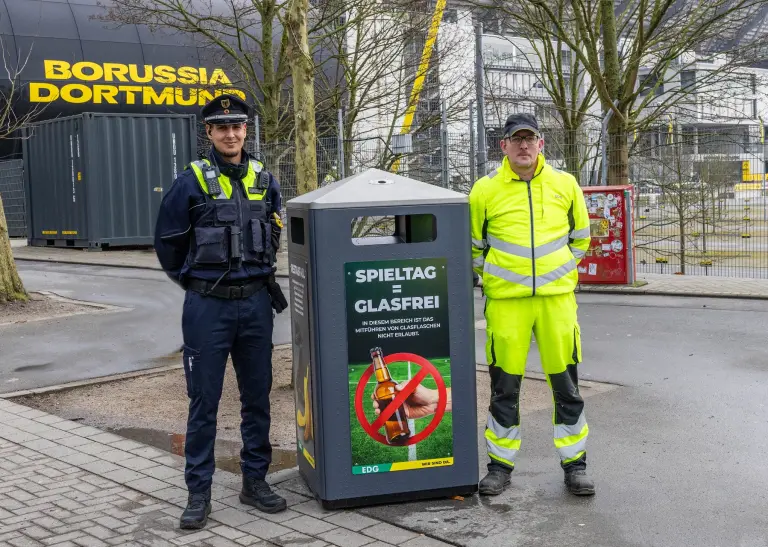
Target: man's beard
(228,154)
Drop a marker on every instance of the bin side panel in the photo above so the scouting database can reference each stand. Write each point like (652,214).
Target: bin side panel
(410,472)
(133,159)
(56,195)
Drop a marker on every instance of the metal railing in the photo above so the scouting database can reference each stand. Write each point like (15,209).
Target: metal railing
(14,199)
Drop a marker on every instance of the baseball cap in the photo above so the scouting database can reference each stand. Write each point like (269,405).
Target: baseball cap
(516,122)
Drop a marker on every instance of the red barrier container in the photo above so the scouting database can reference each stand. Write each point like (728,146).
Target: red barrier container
(611,257)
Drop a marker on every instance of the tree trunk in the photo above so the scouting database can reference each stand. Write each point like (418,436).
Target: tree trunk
(11,287)
(271,104)
(302,68)
(618,153)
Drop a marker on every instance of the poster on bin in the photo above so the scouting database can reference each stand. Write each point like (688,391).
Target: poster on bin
(606,259)
(399,365)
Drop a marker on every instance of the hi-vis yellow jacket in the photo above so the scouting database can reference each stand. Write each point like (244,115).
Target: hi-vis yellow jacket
(528,237)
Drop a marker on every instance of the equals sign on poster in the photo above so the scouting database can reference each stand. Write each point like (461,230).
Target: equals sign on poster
(397,289)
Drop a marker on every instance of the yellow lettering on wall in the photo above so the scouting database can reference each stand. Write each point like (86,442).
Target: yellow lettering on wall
(57,70)
(84,93)
(188,75)
(179,94)
(87,71)
(129,91)
(203,75)
(151,97)
(105,92)
(133,72)
(36,95)
(203,97)
(164,74)
(115,71)
(219,76)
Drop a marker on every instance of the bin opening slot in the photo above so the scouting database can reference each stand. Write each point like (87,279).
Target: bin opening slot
(297,230)
(391,229)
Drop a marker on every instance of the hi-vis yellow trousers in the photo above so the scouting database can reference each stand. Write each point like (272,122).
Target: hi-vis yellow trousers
(553,321)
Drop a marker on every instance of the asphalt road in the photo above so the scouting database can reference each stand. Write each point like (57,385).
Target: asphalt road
(148,334)
(678,451)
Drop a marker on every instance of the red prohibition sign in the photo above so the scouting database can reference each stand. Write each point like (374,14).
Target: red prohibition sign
(426,368)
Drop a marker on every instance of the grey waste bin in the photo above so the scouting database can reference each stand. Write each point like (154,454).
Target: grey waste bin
(381,294)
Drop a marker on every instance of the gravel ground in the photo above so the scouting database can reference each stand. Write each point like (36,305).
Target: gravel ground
(42,307)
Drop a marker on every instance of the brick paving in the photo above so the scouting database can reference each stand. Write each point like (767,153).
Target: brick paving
(65,484)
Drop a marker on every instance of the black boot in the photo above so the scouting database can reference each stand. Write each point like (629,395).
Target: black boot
(495,481)
(257,493)
(195,516)
(578,483)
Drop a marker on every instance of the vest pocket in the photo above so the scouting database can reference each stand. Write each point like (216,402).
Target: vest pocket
(226,211)
(259,246)
(212,245)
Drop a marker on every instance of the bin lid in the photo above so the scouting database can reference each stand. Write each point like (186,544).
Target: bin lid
(376,188)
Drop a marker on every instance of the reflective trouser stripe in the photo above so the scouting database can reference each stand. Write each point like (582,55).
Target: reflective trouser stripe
(478,262)
(577,253)
(582,233)
(525,252)
(571,440)
(503,442)
(527,280)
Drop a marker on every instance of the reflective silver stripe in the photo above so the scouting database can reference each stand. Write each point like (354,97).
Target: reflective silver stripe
(568,452)
(582,233)
(501,432)
(506,275)
(525,252)
(478,243)
(478,262)
(562,430)
(509,248)
(493,173)
(551,247)
(578,253)
(556,274)
(526,280)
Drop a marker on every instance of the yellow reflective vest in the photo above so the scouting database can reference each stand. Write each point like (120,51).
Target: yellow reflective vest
(528,237)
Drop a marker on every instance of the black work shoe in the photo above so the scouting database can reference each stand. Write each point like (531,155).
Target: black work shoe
(579,483)
(195,516)
(257,493)
(494,482)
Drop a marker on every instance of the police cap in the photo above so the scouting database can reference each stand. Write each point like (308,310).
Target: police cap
(226,109)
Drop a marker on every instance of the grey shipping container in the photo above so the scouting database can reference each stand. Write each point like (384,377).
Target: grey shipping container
(96,180)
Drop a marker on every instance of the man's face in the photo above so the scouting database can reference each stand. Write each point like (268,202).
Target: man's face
(227,138)
(522,148)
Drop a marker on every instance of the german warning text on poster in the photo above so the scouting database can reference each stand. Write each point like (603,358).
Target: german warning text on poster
(400,369)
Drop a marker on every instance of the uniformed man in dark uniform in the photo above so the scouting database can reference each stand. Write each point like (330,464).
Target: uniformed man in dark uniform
(217,233)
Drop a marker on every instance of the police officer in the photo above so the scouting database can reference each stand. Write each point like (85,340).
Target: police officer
(217,233)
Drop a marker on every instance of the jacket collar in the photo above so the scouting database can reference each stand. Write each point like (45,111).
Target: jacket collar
(506,168)
(232,170)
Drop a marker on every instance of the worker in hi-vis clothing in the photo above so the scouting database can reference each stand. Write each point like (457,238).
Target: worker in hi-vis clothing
(530,228)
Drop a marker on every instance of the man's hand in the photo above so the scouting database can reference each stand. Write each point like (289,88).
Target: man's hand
(419,404)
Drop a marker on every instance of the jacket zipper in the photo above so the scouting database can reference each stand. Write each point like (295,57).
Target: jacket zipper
(533,255)
(236,185)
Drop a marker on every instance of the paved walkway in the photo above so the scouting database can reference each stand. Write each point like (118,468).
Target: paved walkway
(66,484)
(678,285)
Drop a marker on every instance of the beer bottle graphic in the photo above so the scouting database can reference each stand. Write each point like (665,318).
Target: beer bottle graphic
(397,430)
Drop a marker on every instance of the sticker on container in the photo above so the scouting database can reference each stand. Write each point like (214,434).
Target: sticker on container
(617,245)
(610,200)
(606,246)
(593,269)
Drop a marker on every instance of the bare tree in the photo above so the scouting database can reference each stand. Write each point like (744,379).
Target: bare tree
(12,119)
(631,49)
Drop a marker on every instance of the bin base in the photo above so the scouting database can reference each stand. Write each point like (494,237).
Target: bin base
(383,499)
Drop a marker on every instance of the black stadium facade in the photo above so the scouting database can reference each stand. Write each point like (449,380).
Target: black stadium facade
(79,63)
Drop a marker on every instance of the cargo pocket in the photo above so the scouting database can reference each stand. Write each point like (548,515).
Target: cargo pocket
(190,359)
(257,236)
(212,245)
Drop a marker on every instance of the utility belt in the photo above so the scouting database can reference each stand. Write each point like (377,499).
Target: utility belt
(237,291)
(229,291)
